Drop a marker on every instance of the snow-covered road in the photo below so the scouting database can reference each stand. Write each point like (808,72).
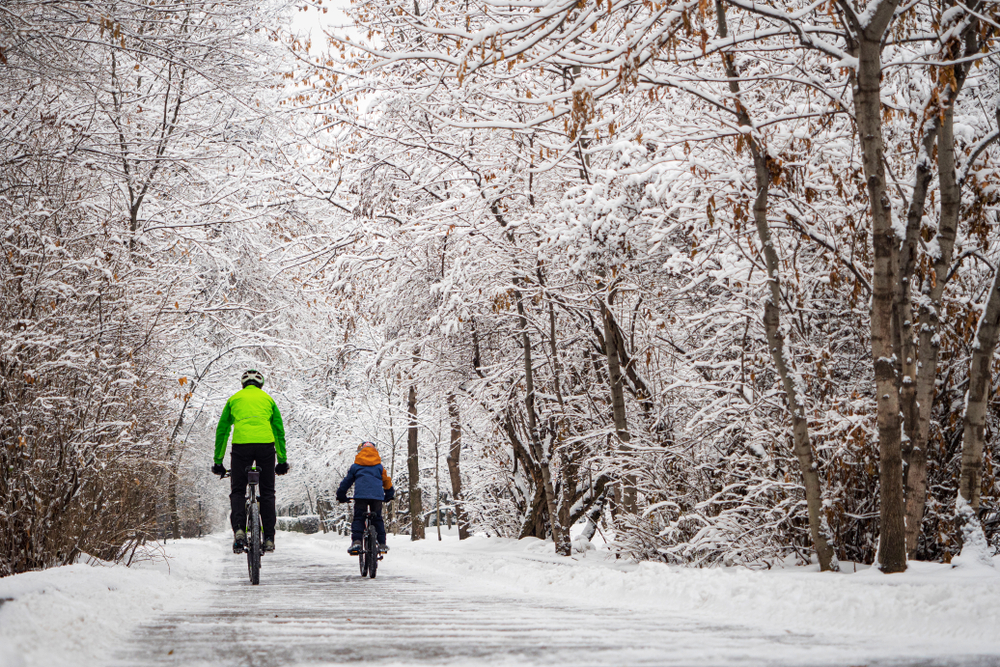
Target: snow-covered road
(317,613)
(490,602)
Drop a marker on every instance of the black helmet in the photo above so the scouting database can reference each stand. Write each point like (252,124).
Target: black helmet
(252,377)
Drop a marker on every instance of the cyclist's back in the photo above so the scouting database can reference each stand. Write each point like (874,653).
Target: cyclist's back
(258,437)
(372,486)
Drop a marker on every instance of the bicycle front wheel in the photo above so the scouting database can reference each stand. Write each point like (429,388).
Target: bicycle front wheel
(254,545)
(371,549)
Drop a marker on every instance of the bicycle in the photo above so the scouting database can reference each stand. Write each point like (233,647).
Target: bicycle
(369,556)
(254,546)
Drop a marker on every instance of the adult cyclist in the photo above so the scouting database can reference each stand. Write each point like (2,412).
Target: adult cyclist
(258,437)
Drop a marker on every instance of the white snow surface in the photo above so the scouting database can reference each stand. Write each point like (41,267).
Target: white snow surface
(78,615)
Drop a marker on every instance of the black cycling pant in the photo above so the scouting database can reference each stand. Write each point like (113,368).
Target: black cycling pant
(240,459)
(361,506)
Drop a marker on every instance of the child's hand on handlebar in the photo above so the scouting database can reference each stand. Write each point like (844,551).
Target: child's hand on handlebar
(220,470)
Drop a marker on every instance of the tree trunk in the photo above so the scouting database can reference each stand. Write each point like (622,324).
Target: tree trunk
(612,349)
(818,530)
(390,508)
(553,350)
(437,483)
(917,368)
(413,469)
(980,383)
(321,511)
(919,400)
(569,485)
(968,529)
(454,456)
(536,445)
(175,519)
(929,340)
(533,525)
(557,428)
(868,114)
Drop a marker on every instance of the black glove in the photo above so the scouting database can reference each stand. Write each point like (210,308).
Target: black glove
(281,469)
(390,493)
(219,469)
(341,497)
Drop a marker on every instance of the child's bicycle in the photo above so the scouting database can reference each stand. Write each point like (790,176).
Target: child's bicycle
(369,556)
(254,530)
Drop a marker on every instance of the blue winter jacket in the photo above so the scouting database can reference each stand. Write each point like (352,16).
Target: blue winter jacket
(369,478)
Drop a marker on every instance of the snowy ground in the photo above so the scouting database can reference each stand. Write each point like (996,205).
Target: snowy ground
(488,601)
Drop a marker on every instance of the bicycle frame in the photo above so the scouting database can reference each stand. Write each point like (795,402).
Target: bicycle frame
(254,546)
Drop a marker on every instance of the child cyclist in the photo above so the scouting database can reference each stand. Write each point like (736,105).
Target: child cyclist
(372,486)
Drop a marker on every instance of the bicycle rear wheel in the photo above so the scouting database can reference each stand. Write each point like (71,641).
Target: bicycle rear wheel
(371,548)
(363,554)
(254,545)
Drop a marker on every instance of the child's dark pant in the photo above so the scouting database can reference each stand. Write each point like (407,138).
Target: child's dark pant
(358,525)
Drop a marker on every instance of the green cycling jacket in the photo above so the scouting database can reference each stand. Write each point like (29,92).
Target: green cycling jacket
(256,419)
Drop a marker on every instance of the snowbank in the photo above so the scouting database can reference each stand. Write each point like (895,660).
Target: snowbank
(76,615)
(929,605)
